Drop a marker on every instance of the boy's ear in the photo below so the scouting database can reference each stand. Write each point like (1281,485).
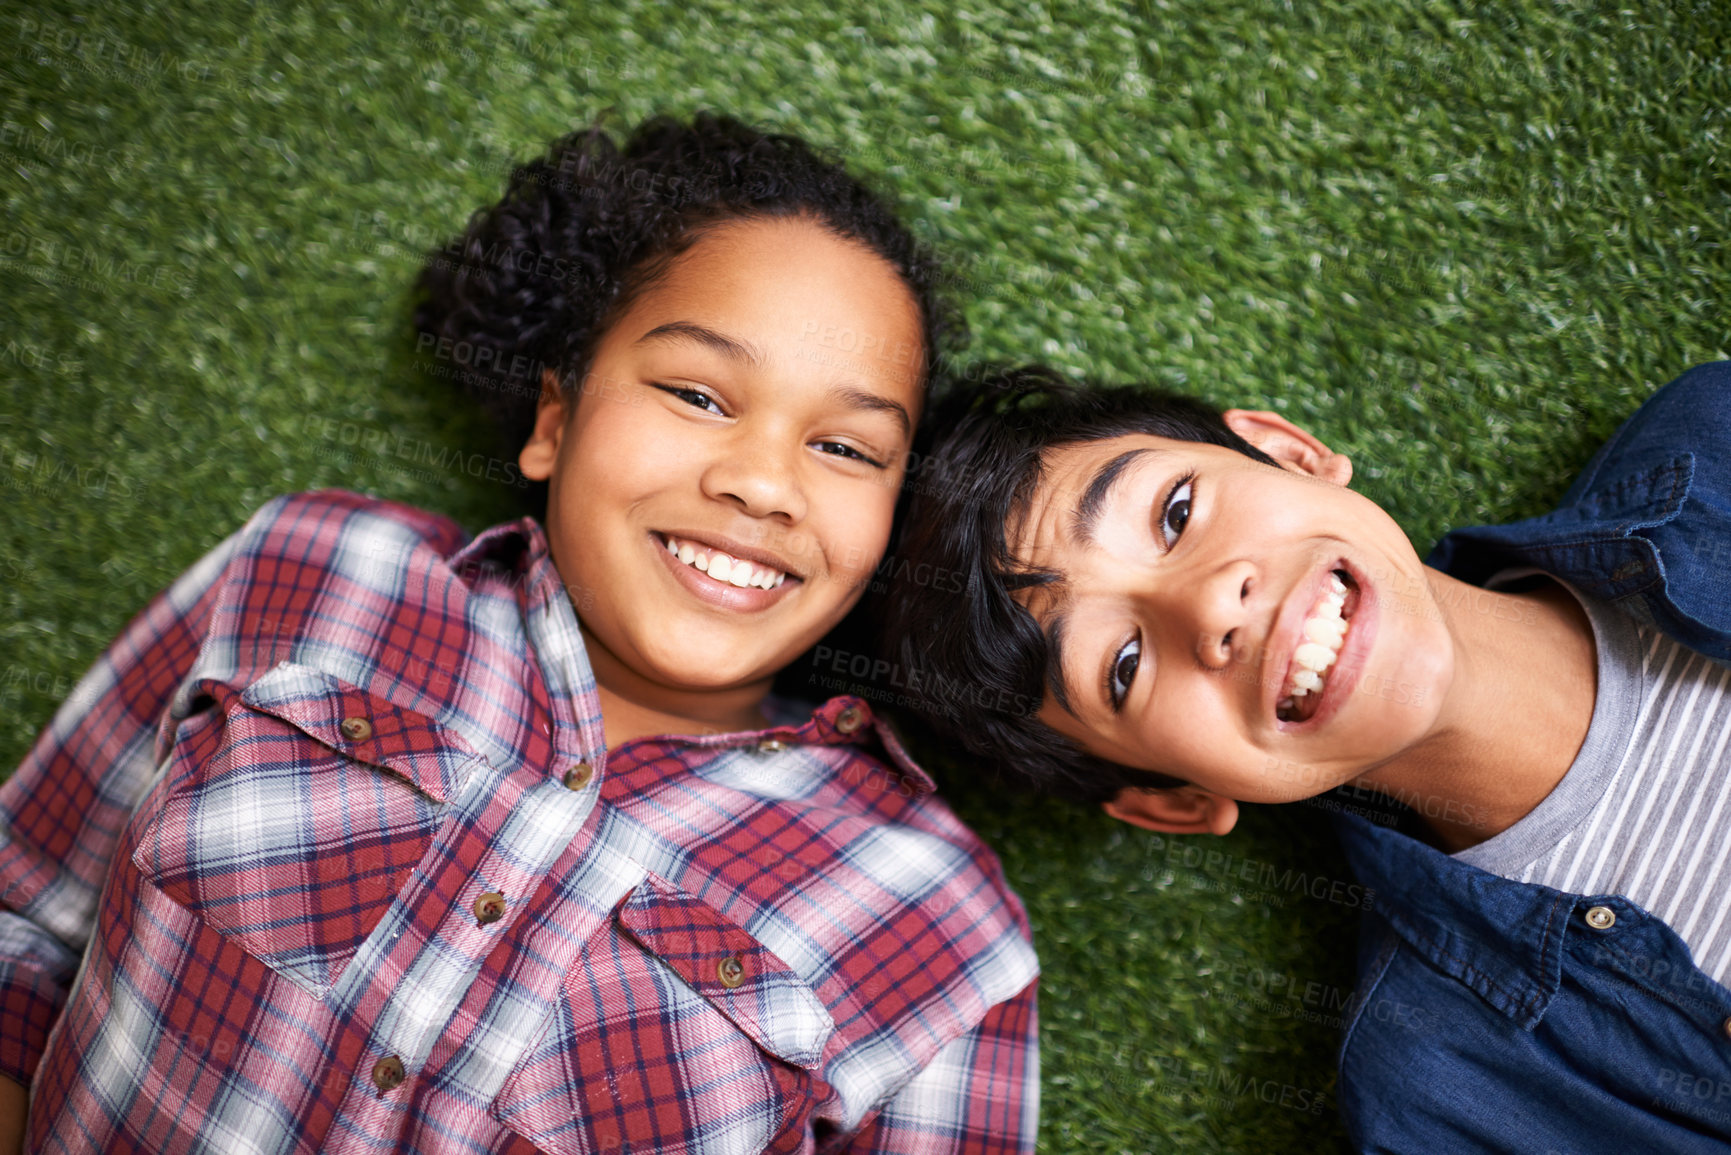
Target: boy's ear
(1180,810)
(542,449)
(1289,445)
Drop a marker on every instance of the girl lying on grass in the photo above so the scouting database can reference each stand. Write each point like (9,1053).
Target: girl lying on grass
(369,835)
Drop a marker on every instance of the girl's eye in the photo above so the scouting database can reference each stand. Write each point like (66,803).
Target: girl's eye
(1175,515)
(1124,671)
(692,397)
(842,449)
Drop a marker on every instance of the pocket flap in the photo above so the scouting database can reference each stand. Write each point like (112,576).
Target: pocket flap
(365,727)
(739,976)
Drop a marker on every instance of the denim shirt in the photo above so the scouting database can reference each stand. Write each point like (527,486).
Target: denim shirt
(1490,1015)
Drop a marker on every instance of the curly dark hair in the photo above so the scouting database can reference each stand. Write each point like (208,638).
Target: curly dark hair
(536,279)
(975,662)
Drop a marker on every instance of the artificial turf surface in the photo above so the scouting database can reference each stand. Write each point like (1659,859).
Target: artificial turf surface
(1460,244)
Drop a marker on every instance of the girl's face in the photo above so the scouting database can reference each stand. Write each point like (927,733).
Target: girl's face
(722,485)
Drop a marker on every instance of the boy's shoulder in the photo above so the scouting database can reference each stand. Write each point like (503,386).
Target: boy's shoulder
(1646,526)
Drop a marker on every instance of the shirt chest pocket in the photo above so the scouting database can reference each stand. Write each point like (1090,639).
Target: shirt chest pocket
(293,829)
(677,1031)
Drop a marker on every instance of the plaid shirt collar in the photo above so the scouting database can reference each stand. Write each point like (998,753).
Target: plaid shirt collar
(520,547)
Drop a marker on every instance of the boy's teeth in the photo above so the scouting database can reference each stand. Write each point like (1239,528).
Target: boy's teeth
(1314,657)
(1327,631)
(1324,631)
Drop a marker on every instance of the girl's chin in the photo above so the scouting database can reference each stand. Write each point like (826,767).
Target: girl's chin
(699,673)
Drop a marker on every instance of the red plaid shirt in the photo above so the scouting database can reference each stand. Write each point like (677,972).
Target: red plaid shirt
(349,868)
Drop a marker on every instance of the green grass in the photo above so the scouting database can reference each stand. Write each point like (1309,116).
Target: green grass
(1461,244)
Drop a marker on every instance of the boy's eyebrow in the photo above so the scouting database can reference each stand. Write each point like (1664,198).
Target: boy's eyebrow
(1056,680)
(729,347)
(1099,491)
(854,398)
(1083,520)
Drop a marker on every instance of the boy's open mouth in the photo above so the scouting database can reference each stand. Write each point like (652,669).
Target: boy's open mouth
(1320,641)
(723,566)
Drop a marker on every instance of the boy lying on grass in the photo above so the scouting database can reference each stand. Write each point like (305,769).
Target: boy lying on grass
(1206,615)
(382,838)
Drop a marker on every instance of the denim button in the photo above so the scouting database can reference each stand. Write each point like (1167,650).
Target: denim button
(1601,918)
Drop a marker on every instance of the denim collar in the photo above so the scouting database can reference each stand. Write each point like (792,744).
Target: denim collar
(1502,939)
(1591,540)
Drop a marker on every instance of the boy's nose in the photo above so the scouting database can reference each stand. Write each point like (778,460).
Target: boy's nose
(1219,607)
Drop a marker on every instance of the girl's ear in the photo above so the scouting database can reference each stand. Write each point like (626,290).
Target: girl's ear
(1289,445)
(542,449)
(1180,810)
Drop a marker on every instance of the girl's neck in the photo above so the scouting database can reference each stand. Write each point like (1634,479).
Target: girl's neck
(634,707)
(1515,715)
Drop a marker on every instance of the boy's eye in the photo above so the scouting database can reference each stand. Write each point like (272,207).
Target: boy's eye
(695,398)
(1175,514)
(1124,665)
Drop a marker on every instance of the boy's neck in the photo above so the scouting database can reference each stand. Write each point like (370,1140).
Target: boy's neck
(634,707)
(1515,716)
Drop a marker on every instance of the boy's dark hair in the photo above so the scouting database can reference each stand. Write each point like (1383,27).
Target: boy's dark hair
(536,279)
(976,661)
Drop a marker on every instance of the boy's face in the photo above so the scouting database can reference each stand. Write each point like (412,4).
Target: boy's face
(1186,595)
(718,418)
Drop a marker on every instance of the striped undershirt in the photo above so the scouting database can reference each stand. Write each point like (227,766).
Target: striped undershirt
(1645,809)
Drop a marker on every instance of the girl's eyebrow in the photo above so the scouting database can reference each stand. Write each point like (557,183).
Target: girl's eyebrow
(731,348)
(863,399)
(744,351)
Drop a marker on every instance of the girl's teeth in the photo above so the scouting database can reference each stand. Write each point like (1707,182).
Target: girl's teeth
(1305,682)
(724,568)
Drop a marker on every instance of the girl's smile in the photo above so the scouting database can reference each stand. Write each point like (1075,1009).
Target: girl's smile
(718,493)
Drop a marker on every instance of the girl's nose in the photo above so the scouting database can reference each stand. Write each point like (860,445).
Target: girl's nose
(759,476)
